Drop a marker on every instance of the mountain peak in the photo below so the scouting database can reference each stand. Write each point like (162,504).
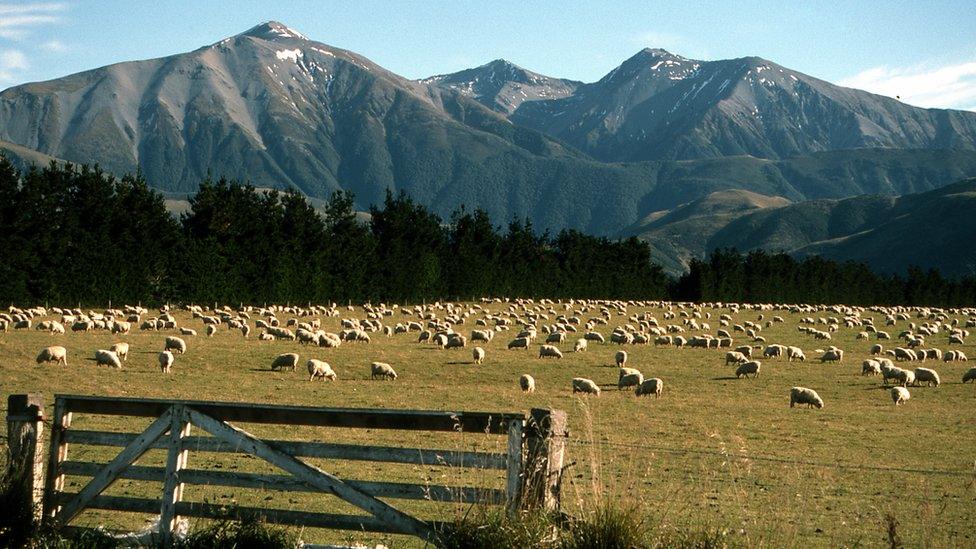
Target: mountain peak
(273,30)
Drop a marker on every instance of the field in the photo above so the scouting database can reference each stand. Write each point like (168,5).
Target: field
(714,453)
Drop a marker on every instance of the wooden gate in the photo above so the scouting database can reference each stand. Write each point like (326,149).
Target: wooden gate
(532,462)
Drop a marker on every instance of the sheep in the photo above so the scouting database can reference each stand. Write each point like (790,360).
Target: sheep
(188,331)
(320,369)
(629,377)
(802,395)
(56,354)
(900,395)
(795,353)
(870,368)
(746,350)
(580,345)
(954,356)
(653,386)
(905,377)
(527,383)
(556,337)
(245,330)
(970,375)
(735,357)
(774,350)
(107,358)
(519,343)
(285,360)
(927,376)
(877,349)
(456,341)
(166,360)
(175,344)
(211,330)
(121,350)
(594,336)
(746,368)
(382,370)
(549,351)
(832,355)
(620,358)
(265,336)
(478,354)
(583,385)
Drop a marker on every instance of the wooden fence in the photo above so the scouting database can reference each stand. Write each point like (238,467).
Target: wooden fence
(533,461)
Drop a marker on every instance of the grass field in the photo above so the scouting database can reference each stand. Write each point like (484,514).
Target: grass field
(714,453)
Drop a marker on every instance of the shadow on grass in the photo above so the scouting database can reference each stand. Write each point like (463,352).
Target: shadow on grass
(726,378)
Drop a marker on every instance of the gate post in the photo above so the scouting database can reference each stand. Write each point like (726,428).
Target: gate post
(546,445)
(25,415)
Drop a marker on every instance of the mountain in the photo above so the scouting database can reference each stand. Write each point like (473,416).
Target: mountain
(930,229)
(657,105)
(503,86)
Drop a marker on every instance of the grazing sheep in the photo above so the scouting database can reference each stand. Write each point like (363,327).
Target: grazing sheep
(735,357)
(774,350)
(383,370)
(877,349)
(456,341)
(104,357)
(519,343)
(285,360)
(620,357)
(580,345)
(746,368)
(955,356)
(265,336)
(478,354)
(321,369)
(549,351)
(56,354)
(653,386)
(245,330)
(211,330)
(927,376)
(795,353)
(166,360)
(832,355)
(121,350)
(583,385)
(802,395)
(746,350)
(175,344)
(188,331)
(556,337)
(629,377)
(594,336)
(970,375)
(900,395)
(870,368)
(905,377)
(527,383)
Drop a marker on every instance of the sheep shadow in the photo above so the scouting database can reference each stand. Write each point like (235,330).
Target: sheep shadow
(725,378)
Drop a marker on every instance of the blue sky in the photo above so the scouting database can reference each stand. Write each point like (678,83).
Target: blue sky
(923,51)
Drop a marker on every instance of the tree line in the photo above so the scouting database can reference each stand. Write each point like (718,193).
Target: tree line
(75,235)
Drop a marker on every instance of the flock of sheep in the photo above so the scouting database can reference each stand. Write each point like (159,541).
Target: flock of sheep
(549,324)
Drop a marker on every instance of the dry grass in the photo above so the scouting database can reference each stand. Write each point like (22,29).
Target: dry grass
(713,454)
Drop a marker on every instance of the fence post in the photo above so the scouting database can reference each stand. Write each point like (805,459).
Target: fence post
(25,416)
(172,484)
(515,464)
(546,446)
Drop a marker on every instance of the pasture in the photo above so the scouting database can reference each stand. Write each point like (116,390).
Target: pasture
(713,453)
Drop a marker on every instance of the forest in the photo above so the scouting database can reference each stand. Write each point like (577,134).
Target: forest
(78,236)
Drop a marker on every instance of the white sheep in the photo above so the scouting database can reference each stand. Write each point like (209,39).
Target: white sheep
(188,331)
(527,383)
(802,395)
(629,377)
(166,360)
(56,354)
(870,368)
(905,377)
(478,354)
(620,358)
(549,351)
(832,355)
(175,344)
(121,350)
(795,353)
(746,368)
(877,349)
(104,357)
(211,330)
(735,357)
(970,375)
(321,369)
(383,370)
(900,395)
(927,376)
(285,360)
(519,343)
(580,345)
(583,385)
(653,386)
(456,341)
(594,336)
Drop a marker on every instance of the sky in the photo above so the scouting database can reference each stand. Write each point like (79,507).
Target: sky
(924,52)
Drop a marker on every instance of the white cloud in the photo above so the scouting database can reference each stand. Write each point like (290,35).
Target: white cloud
(927,85)
(18,20)
(12,62)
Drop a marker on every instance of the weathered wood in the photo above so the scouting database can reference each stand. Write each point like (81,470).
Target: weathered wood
(365,418)
(311,475)
(175,463)
(288,483)
(57,453)
(111,470)
(25,416)
(546,445)
(514,474)
(352,452)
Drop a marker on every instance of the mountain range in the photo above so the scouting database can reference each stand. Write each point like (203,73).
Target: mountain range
(657,142)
